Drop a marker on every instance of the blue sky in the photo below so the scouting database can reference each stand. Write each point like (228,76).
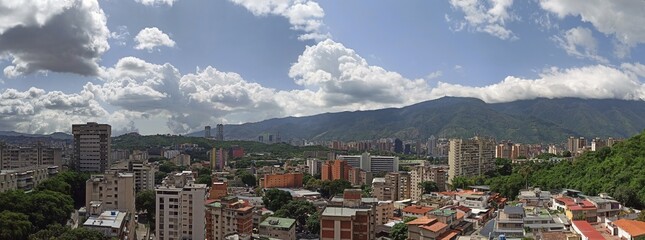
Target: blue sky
(174,66)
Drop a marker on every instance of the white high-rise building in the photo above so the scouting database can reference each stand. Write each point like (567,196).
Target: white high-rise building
(370,163)
(180,206)
(92,143)
(314,165)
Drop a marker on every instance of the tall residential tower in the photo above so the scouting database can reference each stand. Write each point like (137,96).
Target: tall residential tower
(92,146)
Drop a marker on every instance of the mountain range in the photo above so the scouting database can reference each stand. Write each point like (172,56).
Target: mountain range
(529,121)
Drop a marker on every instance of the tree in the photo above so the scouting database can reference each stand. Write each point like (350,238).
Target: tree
(399,231)
(274,199)
(47,207)
(204,179)
(297,209)
(504,166)
(56,185)
(145,202)
(76,181)
(14,225)
(428,187)
(51,232)
(460,182)
(167,167)
(249,179)
(313,223)
(82,234)
(566,153)
(159,176)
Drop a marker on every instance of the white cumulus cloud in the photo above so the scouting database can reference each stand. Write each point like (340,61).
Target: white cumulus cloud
(484,16)
(152,38)
(303,15)
(622,19)
(60,36)
(156,2)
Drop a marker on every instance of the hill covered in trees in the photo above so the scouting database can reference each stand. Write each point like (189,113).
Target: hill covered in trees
(528,121)
(618,171)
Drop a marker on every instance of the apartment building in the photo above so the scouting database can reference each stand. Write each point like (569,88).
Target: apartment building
(335,169)
(13,157)
(400,183)
(384,212)
(278,228)
(226,216)
(25,178)
(315,166)
(144,173)
(358,176)
(180,210)
(354,220)
(471,157)
(112,191)
(92,144)
(510,222)
(381,189)
(419,174)
(284,180)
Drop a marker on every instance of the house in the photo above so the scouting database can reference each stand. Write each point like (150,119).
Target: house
(510,222)
(425,228)
(416,211)
(627,229)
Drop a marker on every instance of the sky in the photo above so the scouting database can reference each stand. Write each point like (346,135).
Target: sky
(175,66)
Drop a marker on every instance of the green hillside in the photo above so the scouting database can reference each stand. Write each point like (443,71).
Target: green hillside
(618,171)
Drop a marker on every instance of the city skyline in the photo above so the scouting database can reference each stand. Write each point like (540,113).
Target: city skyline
(132,65)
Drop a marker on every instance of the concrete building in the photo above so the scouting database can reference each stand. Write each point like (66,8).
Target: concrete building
(112,224)
(370,163)
(112,190)
(358,176)
(627,229)
(278,228)
(335,169)
(381,190)
(181,160)
(144,173)
(180,210)
(207,132)
(510,222)
(419,174)
(416,211)
(285,180)
(400,184)
(425,228)
(227,216)
(384,212)
(220,132)
(92,144)
(13,157)
(354,220)
(218,190)
(25,178)
(470,157)
(315,166)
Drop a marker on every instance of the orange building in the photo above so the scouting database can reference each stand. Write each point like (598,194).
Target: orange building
(286,180)
(336,169)
(226,216)
(353,221)
(218,190)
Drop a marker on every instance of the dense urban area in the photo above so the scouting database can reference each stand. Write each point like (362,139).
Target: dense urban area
(91,185)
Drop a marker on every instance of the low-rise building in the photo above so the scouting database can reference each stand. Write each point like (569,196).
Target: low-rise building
(416,211)
(627,229)
(510,222)
(606,206)
(112,224)
(424,228)
(278,228)
(25,178)
(535,197)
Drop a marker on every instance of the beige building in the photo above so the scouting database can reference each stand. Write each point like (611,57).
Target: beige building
(92,144)
(471,157)
(180,211)
(226,216)
(400,184)
(381,190)
(384,212)
(13,157)
(278,228)
(144,173)
(25,178)
(419,174)
(112,190)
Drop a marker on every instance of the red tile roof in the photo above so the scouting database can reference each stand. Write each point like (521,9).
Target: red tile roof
(448,235)
(435,227)
(633,227)
(588,231)
(567,201)
(421,221)
(416,209)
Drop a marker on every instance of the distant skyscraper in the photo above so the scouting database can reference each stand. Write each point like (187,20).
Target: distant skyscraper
(406,149)
(92,146)
(270,138)
(207,132)
(260,138)
(220,132)
(432,145)
(398,146)
(471,157)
